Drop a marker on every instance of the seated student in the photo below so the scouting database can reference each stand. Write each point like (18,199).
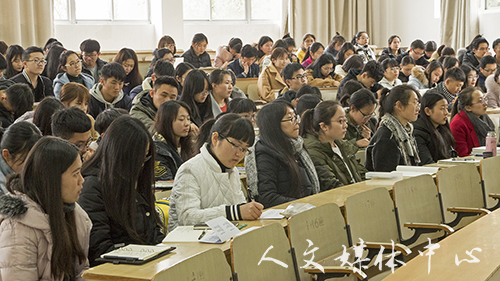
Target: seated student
(208,185)
(480,47)
(406,65)
(294,76)
(76,95)
(281,169)
(73,125)
(14,102)
(313,53)
(243,107)
(181,71)
(350,88)
(117,193)
(454,79)
(264,48)
(146,104)
(17,142)
(496,49)
(346,51)
(430,48)
(128,59)
(70,66)
(34,63)
(469,122)
(493,86)
(162,54)
(448,62)
(323,130)
(3,66)
(222,86)
(3,48)
(294,97)
(195,93)
(52,66)
(14,61)
(394,49)
(245,67)
(197,55)
(45,233)
(172,126)
(270,81)
(335,44)
(42,116)
(226,54)
(308,101)
(360,42)
(393,143)
(416,51)
(391,74)
(471,74)
(360,121)
(487,67)
(432,131)
(161,68)
(320,73)
(102,122)
(165,42)
(91,63)
(108,92)
(266,61)
(307,40)
(428,78)
(353,62)
(236,92)
(371,73)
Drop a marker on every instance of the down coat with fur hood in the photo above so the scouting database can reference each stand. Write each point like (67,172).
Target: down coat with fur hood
(418,80)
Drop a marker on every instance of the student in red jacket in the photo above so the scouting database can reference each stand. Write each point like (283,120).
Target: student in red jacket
(469,122)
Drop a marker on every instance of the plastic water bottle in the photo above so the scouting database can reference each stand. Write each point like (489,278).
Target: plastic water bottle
(491,143)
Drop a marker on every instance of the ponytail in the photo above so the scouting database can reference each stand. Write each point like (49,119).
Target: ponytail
(204,134)
(306,124)
(464,98)
(382,109)
(388,99)
(322,113)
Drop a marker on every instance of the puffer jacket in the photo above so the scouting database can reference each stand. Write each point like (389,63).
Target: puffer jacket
(203,192)
(332,170)
(417,79)
(167,159)
(26,239)
(62,79)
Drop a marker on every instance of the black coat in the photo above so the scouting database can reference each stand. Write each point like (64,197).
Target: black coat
(202,60)
(421,61)
(167,160)
(470,59)
(43,88)
(351,75)
(426,145)
(383,154)
(6,118)
(275,184)
(106,234)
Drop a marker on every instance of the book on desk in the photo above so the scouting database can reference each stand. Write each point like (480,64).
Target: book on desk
(135,254)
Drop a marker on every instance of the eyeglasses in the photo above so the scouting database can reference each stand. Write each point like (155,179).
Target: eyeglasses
(248,116)
(83,145)
(416,104)
(395,68)
(235,146)
(300,77)
(481,101)
(342,121)
(74,63)
(295,120)
(37,61)
(489,70)
(472,76)
(366,116)
(418,54)
(91,55)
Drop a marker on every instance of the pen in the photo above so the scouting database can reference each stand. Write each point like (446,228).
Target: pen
(241,226)
(202,234)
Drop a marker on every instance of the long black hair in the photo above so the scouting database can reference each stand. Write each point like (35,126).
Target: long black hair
(313,49)
(42,117)
(322,113)
(195,84)
(19,138)
(441,135)
(464,99)
(316,66)
(123,171)
(14,52)
(263,40)
(345,47)
(335,40)
(389,98)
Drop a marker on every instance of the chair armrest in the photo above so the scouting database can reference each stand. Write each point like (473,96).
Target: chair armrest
(438,226)
(337,269)
(468,210)
(398,247)
(494,195)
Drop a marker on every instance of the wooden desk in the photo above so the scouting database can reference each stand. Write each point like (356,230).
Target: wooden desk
(329,93)
(242,83)
(483,233)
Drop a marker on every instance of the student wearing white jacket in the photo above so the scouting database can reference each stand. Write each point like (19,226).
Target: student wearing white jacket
(208,185)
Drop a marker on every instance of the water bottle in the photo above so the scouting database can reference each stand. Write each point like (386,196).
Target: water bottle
(491,143)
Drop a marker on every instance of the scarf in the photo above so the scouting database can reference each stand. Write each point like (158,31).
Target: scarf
(404,137)
(298,145)
(69,207)
(482,127)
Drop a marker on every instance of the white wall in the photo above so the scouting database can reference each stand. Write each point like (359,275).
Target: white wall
(488,24)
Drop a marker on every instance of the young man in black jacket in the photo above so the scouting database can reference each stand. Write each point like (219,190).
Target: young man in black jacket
(416,51)
(369,76)
(480,47)
(91,63)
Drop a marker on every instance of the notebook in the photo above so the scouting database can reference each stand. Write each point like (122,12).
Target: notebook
(135,254)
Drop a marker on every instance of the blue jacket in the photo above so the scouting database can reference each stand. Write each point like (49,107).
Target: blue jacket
(238,70)
(62,79)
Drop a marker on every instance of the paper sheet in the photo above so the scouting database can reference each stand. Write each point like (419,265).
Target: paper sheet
(185,234)
(272,214)
(223,228)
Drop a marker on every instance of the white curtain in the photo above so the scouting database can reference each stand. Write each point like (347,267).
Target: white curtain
(26,22)
(459,22)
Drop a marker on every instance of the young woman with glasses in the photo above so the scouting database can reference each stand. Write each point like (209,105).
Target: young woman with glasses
(361,121)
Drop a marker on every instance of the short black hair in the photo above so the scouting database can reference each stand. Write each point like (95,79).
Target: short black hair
(495,43)
(455,73)
(374,70)
(306,102)
(407,60)
(430,46)
(68,121)
(90,46)
(449,62)
(308,89)
(248,51)
(113,70)
(289,69)
(165,80)
(417,44)
(20,98)
(199,37)
(241,105)
(163,68)
(479,40)
(235,44)
(388,62)
(3,62)
(486,60)
(28,51)
(105,118)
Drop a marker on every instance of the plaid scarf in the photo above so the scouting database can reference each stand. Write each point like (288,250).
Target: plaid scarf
(404,137)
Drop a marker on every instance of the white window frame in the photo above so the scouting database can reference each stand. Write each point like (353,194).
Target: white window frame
(72,16)
(248,16)
(486,7)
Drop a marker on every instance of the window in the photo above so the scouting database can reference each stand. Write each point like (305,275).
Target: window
(247,10)
(492,4)
(76,11)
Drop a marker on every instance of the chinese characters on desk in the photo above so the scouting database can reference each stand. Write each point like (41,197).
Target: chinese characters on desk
(359,264)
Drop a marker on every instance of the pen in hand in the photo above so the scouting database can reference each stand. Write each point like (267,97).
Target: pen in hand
(202,234)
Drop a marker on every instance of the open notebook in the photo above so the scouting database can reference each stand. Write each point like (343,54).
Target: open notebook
(135,254)
(403,172)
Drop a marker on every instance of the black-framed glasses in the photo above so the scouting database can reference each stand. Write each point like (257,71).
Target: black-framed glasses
(299,77)
(295,119)
(235,146)
(86,144)
(366,116)
(37,61)
(74,63)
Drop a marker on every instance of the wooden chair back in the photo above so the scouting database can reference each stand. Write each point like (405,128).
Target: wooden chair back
(490,175)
